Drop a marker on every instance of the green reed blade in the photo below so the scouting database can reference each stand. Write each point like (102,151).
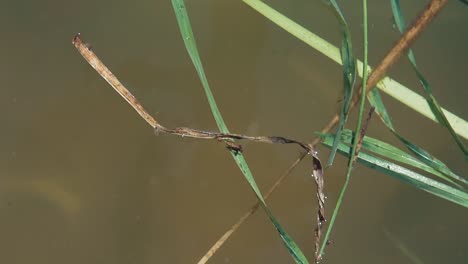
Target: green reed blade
(376,101)
(349,73)
(431,100)
(190,44)
(424,156)
(401,173)
(390,152)
(348,84)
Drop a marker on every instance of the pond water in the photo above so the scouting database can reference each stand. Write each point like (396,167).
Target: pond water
(83,179)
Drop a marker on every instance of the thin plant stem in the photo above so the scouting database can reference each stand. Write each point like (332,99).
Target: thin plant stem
(358,128)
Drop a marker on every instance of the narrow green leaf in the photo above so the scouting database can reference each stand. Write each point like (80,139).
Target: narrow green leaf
(348,85)
(390,152)
(349,72)
(430,160)
(376,101)
(292,247)
(424,156)
(401,173)
(431,100)
(190,44)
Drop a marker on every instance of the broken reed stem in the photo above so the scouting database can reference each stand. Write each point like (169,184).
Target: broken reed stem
(101,68)
(96,63)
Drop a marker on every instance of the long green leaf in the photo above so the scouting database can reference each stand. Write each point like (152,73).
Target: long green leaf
(431,100)
(390,152)
(190,44)
(349,64)
(376,101)
(349,72)
(401,173)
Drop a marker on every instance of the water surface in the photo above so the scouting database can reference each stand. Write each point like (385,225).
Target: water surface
(85,180)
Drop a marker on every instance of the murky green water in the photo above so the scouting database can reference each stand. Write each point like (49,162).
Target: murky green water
(84,180)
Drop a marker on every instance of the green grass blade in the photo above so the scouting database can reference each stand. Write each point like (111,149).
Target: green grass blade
(190,44)
(387,85)
(349,72)
(430,160)
(433,104)
(376,101)
(292,247)
(361,113)
(390,152)
(401,173)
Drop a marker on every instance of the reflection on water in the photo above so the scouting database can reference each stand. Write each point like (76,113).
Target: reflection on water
(84,180)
